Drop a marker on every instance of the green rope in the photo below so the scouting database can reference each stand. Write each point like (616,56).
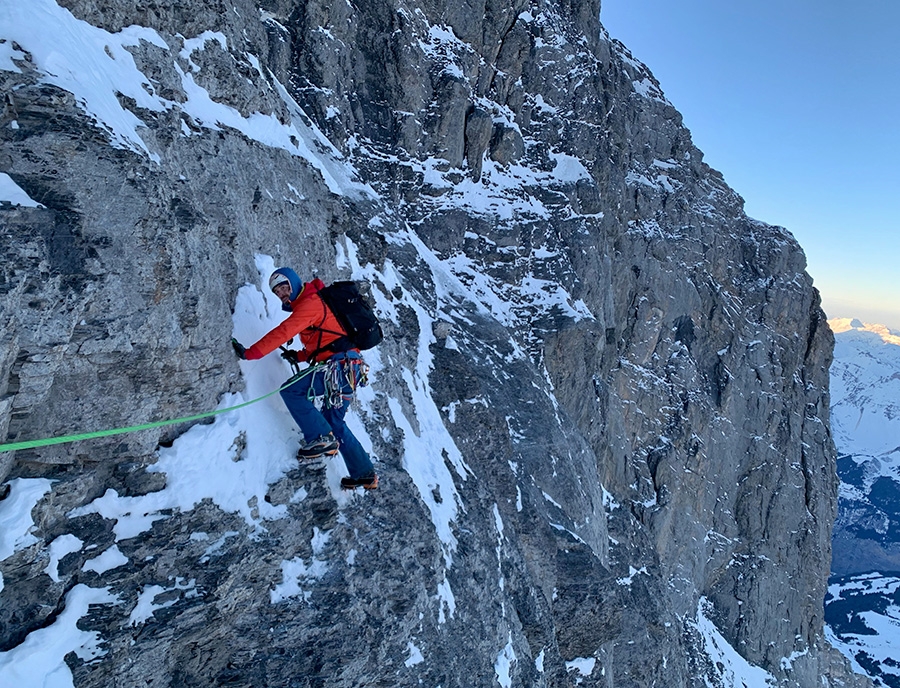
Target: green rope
(31,444)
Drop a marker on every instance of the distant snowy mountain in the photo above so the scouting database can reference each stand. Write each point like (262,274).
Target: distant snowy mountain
(865,420)
(862,616)
(865,392)
(863,602)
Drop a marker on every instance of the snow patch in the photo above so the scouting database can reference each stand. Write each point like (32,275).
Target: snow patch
(59,548)
(10,192)
(730,667)
(415,655)
(146,602)
(503,664)
(110,559)
(40,659)
(16,523)
(498,520)
(7,56)
(429,451)
(583,665)
(192,45)
(296,573)
(445,600)
(632,572)
(216,548)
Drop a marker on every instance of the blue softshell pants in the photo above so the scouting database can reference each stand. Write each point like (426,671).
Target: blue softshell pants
(313,423)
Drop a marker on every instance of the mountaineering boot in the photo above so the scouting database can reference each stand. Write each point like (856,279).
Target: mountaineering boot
(325,445)
(370,482)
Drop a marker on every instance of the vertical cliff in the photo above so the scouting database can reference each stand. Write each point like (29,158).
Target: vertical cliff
(600,414)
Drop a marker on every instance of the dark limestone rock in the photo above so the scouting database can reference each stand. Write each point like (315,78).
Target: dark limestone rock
(634,373)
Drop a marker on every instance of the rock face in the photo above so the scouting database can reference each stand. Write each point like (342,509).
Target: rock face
(600,413)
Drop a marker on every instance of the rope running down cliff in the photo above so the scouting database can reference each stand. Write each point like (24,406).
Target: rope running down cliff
(31,444)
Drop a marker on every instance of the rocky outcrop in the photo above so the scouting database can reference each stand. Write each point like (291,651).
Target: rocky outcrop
(600,412)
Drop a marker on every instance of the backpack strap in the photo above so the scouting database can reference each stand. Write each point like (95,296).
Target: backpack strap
(342,343)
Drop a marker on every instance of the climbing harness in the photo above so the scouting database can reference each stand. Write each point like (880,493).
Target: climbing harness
(341,377)
(344,373)
(45,442)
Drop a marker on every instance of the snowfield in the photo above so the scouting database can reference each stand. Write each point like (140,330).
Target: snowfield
(862,611)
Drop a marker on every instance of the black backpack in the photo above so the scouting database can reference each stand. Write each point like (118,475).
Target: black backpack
(358,320)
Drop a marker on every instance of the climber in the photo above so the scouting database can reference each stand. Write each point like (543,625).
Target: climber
(336,375)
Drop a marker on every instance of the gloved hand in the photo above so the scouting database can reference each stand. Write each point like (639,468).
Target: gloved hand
(290,356)
(238,348)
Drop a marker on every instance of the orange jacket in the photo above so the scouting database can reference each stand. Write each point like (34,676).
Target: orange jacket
(310,318)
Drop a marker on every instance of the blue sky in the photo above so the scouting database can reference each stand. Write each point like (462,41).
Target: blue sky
(797,103)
